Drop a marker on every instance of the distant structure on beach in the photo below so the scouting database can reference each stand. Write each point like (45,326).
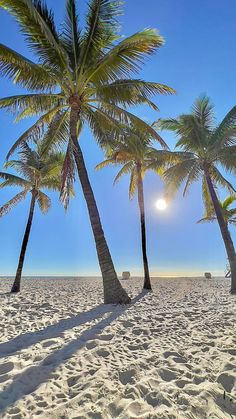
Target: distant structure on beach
(126,275)
(207,275)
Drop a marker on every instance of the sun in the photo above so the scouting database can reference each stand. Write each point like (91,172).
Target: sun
(161,204)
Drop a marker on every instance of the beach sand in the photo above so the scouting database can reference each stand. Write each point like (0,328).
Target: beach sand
(170,354)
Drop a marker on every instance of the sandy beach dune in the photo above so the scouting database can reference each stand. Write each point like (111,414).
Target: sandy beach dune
(170,354)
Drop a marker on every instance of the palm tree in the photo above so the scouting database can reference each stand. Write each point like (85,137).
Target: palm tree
(36,173)
(82,76)
(136,154)
(229,213)
(206,149)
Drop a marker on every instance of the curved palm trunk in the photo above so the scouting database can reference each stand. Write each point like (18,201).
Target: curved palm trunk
(16,285)
(147,282)
(229,246)
(113,291)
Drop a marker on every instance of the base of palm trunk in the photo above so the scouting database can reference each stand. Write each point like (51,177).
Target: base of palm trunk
(117,296)
(147,284)
(147,287)
(15,288)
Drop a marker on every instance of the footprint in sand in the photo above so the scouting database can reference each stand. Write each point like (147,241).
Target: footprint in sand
(127,376)
(167,375)
(171,353)
(15,413)
(126,323)
(72,381)
(180,360)
(182,383)
(106,337)
(155,398)
(90,345)
(42,404)
(227,381)
(49,343)
(103,353)
(4,378)
(5,368)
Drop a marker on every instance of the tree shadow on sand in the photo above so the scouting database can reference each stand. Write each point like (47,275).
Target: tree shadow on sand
(29,380)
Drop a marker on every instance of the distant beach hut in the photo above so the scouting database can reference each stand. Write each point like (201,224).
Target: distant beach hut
(126,275)
(207,275)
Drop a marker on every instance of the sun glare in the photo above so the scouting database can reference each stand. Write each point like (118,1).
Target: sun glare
(161,204)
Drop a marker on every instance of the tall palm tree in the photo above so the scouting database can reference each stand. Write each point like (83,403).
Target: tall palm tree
(36,173)
(228,213)
(81,76)
(136,155)
(206,149)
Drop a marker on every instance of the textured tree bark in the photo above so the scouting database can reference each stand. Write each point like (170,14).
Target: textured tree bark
(147,281)
(229,246)
(113,291)
(17,281)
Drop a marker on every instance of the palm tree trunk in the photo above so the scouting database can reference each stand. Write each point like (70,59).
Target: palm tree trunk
(147,282)
(113,291)
(229,246)
(16,285)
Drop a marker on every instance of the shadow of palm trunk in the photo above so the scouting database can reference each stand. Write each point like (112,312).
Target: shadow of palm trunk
(28,381)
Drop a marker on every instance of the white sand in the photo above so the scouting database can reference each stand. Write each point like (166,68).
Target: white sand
(171,354)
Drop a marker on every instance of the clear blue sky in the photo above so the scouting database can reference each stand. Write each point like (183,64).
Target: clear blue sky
(199,57)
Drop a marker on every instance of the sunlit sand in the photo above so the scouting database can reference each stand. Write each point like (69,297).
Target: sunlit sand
(169,354)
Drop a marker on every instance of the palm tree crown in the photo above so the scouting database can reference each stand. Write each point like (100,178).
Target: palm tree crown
(88,70)
(204,148)
(135,151)
(35,174)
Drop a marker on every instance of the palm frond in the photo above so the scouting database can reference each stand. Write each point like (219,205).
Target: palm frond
(193,176)
(22,168)
(101,29)
(162,159)
(105,163)
(228,201)
(175,175)
(38,27)
(127,168)
(68,175)
(126,57)
(12,202)
(169,124)
(57,134)
(71,35)
(126,118)
(103,126)
(219,179)
(35,132)
(23,71)
(32,103)
(130,92)
(206,198)
(226,158)
(203,110)
(133,183)
(44,201)
(206,220)
(221,135)
(13,180)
